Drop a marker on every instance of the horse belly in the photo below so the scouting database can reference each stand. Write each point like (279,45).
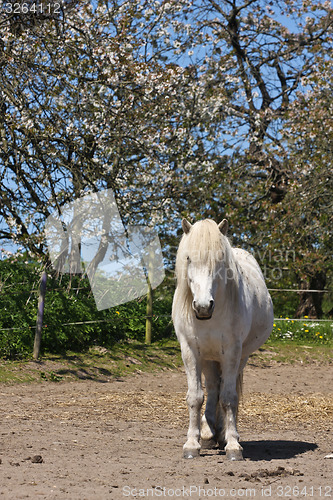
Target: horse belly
(261,326)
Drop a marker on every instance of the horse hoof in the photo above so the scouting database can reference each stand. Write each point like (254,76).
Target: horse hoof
(234,455)
(191,453)
(208,444)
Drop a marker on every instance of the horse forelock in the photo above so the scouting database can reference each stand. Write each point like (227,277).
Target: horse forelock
(204,244)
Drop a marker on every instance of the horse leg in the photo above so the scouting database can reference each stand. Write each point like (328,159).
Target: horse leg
(229,397)
(194,399)
(220,426)
(212,372)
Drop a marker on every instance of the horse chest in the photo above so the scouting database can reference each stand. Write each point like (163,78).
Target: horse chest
(210,345)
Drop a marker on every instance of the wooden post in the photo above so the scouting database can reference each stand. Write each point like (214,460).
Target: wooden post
(40,314)
(149,313)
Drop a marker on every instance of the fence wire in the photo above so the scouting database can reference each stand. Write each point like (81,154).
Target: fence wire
(155,317)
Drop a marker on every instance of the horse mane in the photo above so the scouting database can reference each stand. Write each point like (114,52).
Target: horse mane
(205,244)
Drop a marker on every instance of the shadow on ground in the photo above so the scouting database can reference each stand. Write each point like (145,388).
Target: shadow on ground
(100,364)
(275,450)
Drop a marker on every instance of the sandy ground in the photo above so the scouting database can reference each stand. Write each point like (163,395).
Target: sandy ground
(123,439)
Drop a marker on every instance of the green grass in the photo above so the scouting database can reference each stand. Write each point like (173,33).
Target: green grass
(99,363)
(290,342)
(304,330)
(291,352)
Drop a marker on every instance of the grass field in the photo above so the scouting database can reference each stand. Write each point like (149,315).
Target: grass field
(98,363)
(305,330)
(291,342)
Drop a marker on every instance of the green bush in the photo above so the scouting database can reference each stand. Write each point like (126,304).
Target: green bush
(68,301)
(313,332)
(18,307)
(72,322)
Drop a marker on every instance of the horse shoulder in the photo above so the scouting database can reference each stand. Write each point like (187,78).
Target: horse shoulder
(246,262)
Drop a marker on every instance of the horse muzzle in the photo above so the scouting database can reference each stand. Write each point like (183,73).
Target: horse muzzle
(202,318)
(203,311)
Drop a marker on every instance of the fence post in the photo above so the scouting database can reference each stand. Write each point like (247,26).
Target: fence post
(149,312)
(40,314)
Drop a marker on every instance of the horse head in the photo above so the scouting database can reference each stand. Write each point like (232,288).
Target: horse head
(204,261)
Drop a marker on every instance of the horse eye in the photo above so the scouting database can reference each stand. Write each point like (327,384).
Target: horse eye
(188,259)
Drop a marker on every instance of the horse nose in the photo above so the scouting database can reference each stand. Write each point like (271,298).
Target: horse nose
(208,307)
(203,310)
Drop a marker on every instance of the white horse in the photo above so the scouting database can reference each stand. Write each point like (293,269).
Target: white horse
(225,287)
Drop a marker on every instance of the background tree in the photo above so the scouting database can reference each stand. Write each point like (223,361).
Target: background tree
(258,59)
(82,109)
(181,107)
(309,135)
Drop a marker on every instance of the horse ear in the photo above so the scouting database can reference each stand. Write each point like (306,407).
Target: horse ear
(223,226)
(186,225)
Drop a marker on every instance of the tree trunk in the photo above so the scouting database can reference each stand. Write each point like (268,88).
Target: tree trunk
(310,303)
(149,313)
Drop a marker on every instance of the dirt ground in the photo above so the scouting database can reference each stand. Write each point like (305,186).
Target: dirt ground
(123,438)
